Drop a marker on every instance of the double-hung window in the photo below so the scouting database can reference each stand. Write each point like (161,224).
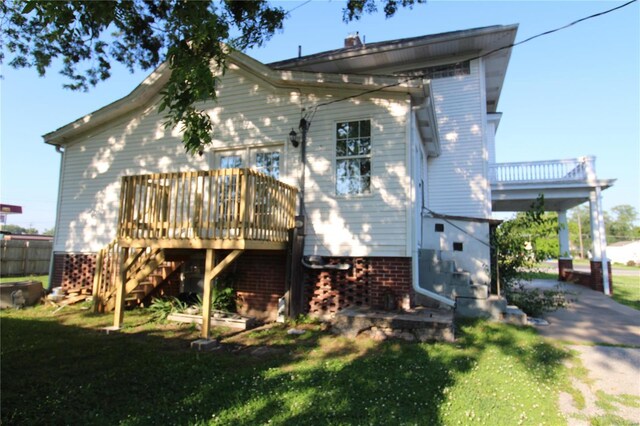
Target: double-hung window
(353,157)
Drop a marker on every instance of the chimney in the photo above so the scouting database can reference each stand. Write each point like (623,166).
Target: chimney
(353,40)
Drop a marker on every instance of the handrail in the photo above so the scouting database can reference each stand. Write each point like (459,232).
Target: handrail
(580,169)
(225,204)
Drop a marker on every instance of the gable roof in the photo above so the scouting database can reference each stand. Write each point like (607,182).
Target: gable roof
(152,85)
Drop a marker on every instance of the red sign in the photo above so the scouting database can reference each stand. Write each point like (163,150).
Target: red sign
(8,208)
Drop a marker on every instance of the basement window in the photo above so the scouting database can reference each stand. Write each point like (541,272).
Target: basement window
(457,246)
(439,227)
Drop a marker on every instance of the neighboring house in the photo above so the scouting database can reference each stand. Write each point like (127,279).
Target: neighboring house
(391,180)
(624,252)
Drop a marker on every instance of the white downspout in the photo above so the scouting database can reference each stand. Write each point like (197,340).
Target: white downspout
(415,277)
(56,228)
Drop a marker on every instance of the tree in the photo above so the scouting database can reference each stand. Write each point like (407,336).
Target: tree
(621,227)
(521,243)
(580,230)
(16,229)
(193,37)
(50,231)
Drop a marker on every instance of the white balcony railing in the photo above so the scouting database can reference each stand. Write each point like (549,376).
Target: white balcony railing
(580,169)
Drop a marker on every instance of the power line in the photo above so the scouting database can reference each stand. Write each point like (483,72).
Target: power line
(509,46)
(288,12)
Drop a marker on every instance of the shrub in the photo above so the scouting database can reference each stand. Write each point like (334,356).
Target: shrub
(536,302)
(161,308)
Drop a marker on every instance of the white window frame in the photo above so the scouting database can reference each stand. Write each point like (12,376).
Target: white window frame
(247,153)
(338,158)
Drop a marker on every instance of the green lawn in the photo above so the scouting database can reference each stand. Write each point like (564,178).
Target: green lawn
(44,279)
(626,290)
(57,368)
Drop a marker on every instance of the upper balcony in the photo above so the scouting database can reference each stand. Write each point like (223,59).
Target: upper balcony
(212,209)
(564,183)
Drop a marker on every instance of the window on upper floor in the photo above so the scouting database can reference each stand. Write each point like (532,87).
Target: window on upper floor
(353,157)
(448,70)
(441,71)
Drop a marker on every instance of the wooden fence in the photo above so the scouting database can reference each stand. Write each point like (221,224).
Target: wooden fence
(19,257)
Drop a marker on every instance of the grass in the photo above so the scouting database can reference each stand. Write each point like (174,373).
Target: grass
(626,290)
(59,369)
(44,279)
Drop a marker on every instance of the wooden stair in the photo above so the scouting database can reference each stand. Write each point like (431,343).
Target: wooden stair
(153,283)
(147,270)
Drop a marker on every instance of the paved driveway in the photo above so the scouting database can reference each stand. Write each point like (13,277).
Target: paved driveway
(591,320)
(591,317)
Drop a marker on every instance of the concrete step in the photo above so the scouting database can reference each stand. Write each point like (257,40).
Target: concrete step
(492,307)
(514,315)
(452,291)
(419,324)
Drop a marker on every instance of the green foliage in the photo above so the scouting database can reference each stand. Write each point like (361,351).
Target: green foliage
(523,241)
(160,308)
(223,295)
(535,302)
(356,8)
(16,229)
(620,225)
(193,37)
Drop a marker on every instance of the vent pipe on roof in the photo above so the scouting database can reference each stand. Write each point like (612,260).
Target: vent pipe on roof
(299,51)
(352,40)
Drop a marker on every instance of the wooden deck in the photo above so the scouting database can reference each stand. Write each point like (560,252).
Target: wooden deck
(217,209)
(226,209)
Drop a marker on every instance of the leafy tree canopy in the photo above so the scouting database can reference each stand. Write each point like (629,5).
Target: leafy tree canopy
(16,229)
(194,37)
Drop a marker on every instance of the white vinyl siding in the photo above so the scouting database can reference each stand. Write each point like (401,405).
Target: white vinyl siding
(249,113)
(457,180)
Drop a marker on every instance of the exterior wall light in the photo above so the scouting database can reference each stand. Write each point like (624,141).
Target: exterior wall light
(293,138)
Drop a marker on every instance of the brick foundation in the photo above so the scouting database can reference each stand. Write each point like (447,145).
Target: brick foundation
(376,282)
(592,279)
(564,266)
(596,276)
(73,270)
(259,282)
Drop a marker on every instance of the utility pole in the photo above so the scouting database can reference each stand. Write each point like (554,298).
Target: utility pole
(580,234)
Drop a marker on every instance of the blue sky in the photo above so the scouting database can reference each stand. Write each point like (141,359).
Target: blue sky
(573,93)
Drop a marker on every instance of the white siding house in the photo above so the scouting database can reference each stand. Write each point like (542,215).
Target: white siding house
(398,141)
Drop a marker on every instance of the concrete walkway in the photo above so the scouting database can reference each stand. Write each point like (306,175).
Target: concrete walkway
(593,319)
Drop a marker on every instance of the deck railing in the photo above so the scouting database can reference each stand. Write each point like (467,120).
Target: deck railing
(225,204)
(577,169)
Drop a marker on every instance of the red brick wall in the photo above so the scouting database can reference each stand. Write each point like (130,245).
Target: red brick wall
(259,282)
(73,270)
(596,276)
(375,282)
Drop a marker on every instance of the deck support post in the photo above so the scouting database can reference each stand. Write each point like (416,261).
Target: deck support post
(118,316)
(211,271)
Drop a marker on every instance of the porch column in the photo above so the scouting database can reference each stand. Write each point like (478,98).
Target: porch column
(565,261)
(599,261)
